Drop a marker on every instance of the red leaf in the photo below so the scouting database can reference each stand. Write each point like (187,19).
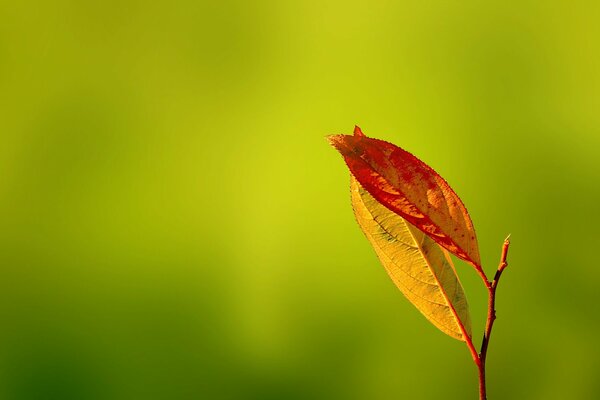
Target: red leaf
(411,189)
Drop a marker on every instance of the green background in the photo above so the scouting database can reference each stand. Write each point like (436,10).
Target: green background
(175,226)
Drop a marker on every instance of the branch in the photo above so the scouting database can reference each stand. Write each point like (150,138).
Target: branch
(491,317)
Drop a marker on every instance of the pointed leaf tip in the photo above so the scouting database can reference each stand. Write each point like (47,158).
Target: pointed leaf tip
(358,131)
(335,140)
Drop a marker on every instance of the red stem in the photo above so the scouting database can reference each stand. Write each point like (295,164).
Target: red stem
(491,317)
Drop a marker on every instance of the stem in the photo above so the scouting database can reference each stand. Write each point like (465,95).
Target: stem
(481,368)
(491,317)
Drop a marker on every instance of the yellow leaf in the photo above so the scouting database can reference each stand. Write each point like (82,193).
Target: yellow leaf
(420,268)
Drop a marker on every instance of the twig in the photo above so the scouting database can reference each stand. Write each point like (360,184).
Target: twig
(491,317)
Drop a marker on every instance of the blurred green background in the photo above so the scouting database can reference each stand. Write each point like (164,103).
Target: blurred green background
(175,226)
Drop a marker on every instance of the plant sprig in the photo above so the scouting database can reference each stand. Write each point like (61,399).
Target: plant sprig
(414,219)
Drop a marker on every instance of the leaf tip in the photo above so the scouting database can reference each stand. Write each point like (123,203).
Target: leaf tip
(358,131)
(334,140)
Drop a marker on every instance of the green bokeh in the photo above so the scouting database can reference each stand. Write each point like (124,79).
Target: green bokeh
(174,225)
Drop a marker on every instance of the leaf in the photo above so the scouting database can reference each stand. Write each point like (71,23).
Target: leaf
(411,189)
(419,267)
